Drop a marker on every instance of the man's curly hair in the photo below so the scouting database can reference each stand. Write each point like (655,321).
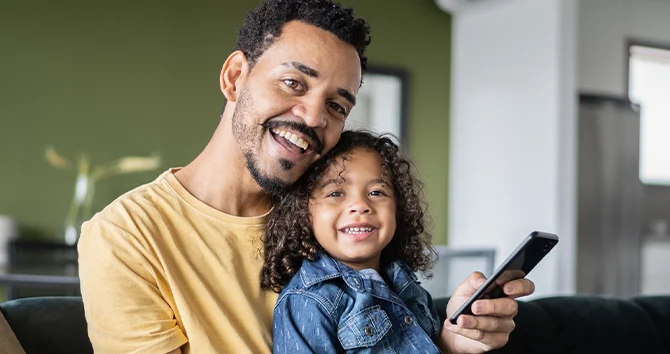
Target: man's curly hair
(289,237)
(263,25)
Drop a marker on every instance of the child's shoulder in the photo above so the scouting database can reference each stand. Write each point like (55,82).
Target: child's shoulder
(319,279)
(314,273)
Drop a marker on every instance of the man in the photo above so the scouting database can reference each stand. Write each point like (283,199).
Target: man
(174,266)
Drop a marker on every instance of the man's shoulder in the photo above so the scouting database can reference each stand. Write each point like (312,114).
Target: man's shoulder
(149,198)
(133,213)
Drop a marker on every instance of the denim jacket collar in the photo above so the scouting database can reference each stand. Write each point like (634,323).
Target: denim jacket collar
(397,274)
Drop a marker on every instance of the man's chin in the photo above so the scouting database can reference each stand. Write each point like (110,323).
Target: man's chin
(276,183)
(272,185)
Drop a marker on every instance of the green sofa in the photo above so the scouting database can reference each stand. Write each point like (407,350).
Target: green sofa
(571,324)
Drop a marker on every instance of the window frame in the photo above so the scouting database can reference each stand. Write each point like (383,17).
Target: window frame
(631,42)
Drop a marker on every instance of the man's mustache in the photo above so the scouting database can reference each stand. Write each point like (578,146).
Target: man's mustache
(299,127)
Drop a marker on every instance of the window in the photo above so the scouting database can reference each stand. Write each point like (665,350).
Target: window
(649,86)
(381,102)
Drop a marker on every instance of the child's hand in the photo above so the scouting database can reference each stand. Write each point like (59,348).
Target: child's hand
(494,320)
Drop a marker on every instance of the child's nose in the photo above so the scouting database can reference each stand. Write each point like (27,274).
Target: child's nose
(359,208)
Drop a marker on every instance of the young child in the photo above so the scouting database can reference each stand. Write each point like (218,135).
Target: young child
(343,247)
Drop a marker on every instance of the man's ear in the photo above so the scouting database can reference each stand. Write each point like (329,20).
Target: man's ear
(234,69)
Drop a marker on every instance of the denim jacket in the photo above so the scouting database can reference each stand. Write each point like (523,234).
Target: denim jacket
(328,307)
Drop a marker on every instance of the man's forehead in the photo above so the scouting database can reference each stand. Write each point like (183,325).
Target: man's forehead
(316,48)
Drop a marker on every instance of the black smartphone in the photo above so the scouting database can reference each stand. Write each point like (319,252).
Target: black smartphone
(524,258)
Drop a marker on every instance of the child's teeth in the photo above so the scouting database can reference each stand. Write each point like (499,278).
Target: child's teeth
(359,229)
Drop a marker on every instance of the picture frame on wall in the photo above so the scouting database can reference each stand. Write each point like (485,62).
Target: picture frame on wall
(382,103)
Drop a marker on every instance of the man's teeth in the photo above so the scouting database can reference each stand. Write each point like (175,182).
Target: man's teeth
(353,230)
(294,139)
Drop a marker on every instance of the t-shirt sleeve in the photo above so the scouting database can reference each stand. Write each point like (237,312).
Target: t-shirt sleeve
(125,310)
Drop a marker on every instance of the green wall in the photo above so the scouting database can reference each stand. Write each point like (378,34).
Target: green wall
(131,77)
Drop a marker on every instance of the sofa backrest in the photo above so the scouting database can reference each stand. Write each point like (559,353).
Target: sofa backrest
(48,324)
(569,324)
(8,342)
(589,324)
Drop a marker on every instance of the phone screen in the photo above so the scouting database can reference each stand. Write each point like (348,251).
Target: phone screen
(519,263)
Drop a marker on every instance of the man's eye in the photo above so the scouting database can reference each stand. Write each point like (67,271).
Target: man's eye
(292,84)
(339,109)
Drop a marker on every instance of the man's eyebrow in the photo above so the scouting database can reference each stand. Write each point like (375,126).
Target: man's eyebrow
(303,68)
(347,95)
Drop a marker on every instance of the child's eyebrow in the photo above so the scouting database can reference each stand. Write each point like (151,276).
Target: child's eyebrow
(380,181)
(338,180)
(342,180)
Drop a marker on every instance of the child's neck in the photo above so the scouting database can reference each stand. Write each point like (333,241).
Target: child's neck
(373,264)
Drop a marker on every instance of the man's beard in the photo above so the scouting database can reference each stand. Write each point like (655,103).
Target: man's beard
(245,138)
(272,186)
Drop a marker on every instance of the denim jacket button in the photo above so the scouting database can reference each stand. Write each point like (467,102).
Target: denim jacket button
(369,331)
(409,320)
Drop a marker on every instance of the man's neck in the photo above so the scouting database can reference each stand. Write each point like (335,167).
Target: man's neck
(219,178)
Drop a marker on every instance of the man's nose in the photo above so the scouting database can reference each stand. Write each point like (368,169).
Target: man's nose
(312,111)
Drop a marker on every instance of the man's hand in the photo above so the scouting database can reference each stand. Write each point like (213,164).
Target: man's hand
(494,320)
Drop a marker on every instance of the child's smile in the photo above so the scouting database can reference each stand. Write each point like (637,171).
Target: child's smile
(359,231)
(353,210)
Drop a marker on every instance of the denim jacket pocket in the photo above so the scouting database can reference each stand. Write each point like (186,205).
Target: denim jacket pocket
(364,329)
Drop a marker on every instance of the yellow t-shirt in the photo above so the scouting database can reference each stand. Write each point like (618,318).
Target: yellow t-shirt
(161,270)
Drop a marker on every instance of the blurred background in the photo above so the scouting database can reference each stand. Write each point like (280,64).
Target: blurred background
(521,115)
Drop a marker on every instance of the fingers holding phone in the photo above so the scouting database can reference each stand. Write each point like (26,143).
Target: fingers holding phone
(493,319)
(518,287)
(512,270)
(481,311)
(515,287)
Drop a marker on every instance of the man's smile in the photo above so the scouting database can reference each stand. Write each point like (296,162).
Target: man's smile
(286,137)
(291,133)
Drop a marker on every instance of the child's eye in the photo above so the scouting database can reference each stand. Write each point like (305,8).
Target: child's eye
(335,194)
(378,193)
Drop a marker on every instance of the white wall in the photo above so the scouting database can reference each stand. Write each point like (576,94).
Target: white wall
(512,131)
(604,28)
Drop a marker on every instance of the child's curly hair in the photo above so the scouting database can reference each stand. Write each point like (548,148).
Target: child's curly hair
(289,237)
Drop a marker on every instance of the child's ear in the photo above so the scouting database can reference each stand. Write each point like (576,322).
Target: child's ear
(309,223)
